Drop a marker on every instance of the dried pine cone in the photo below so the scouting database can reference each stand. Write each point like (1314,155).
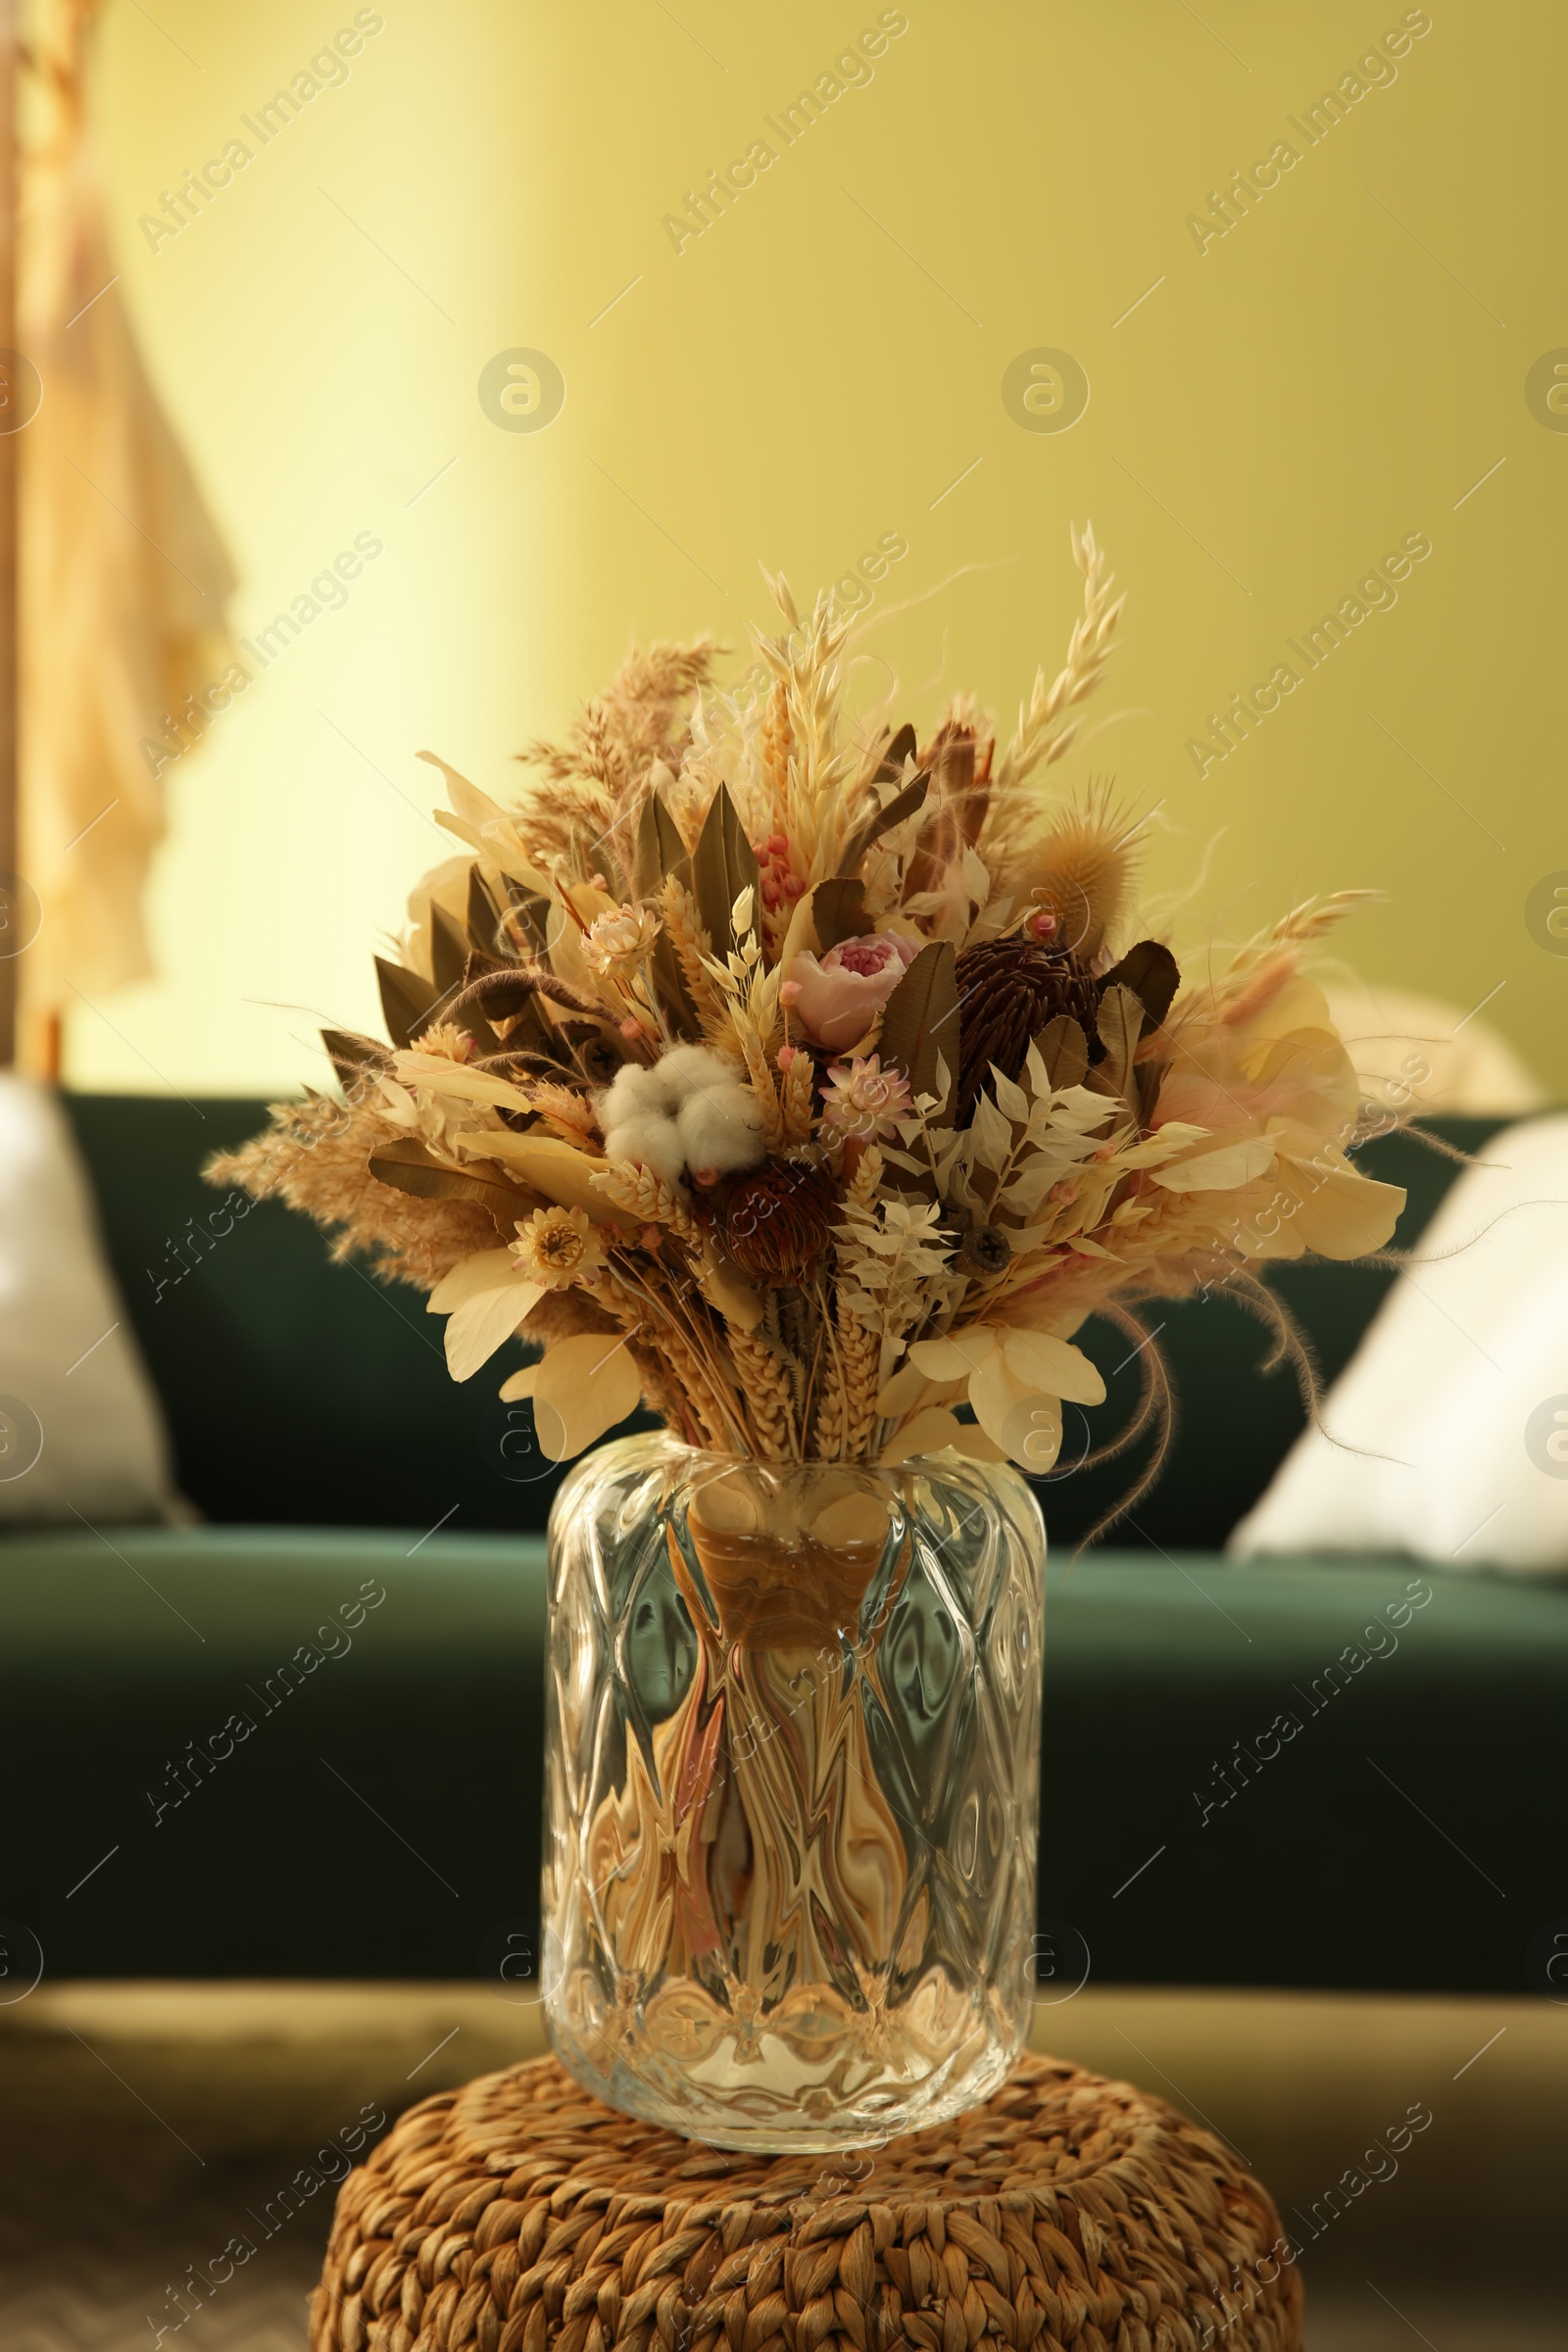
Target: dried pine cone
(776,1221)
(1008,989)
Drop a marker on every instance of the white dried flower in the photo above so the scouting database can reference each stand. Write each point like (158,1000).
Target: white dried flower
(621,940)
(556,1247)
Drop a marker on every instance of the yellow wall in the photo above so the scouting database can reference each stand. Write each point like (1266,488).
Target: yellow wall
(811,374)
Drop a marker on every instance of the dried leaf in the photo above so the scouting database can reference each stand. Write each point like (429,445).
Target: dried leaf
(583,1387)
(1151,971)
(1025,1422)
(463,1085)
(1065,1051)
(903,1390)
(485,1270)
(1026,1191)
(449,949)
(484,1299)
(1218,1171)
(723,864)
(956,1357)
(407,1001)
(993,1135)
(727,1289)
(920,1023)
(972,1442)
(484,915)
(1121,1025)
(929,1431)
(1011,1099)
(882,821)
(890,766)
(408,1168)
(558,1170)
(352,1056)
(1053,1366)
(837,911)
(531,914)
(661,854)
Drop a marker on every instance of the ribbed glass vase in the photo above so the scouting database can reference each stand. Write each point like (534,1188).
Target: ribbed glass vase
(792,1789)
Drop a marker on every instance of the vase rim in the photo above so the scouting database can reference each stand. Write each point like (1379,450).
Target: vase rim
(817,1465)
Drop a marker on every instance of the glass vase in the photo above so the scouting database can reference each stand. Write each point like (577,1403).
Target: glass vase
(792,1789)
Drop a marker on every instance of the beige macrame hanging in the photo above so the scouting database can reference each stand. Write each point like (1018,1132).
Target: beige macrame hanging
(122,576)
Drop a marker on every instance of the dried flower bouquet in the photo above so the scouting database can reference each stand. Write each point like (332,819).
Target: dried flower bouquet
(808,1083)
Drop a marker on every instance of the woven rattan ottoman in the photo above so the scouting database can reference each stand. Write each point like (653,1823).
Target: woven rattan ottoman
(519,2213)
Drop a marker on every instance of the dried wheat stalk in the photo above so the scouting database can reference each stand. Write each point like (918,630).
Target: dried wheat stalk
(691,945)
(643,1195)
(770,1399)
(1043,730)
(797,1101)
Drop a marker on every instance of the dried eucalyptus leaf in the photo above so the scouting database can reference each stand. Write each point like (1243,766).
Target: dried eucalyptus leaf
(583,1387)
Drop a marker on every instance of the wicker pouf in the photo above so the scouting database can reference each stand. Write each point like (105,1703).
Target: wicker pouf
(519,2213)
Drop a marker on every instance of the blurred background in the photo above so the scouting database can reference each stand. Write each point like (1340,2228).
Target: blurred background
(833,362)
(378,377)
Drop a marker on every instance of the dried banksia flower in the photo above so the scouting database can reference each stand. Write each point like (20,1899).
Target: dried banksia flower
(1008,989)
(776,1221)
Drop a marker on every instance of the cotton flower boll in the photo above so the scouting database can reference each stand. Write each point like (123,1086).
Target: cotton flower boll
(685,1069)
(691,1109)
(716,1113)
(634,1093)
(636,1122)
(652,1139)
(720,1127)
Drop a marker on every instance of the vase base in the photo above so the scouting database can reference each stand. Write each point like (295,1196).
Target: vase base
(814,2078)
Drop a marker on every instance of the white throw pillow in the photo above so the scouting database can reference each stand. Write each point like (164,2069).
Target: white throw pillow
(1457,1396)
(81,1436)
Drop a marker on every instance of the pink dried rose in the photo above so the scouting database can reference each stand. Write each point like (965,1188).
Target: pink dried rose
(836,999)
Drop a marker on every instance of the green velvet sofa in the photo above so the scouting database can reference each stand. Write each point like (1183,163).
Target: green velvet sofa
(303,1739)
